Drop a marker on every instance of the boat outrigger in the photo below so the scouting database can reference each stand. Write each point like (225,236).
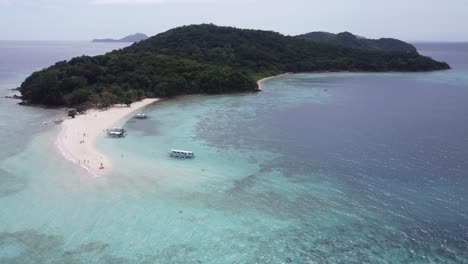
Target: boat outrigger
(141,116)
(181,154)
(116,132)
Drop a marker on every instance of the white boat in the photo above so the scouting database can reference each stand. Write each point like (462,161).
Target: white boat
(141,116)
(185,154)
(116,132)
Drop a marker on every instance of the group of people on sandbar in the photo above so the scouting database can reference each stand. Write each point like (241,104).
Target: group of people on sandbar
(101,167)
(82,141)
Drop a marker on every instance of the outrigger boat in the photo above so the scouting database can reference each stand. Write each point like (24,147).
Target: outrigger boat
(185,154)
(141,116)
(116,132)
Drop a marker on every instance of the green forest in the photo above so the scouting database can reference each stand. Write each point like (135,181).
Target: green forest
(201,59)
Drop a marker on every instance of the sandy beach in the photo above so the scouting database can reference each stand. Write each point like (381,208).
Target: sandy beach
(260,82)
(77,139)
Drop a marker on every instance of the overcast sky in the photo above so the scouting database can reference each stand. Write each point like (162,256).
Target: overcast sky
(411,20)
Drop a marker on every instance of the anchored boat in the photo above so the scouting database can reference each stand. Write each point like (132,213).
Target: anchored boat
(141,116)
(185,154)
(116,132)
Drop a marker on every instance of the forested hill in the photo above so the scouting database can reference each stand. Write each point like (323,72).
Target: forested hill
(348,40)
(201,59)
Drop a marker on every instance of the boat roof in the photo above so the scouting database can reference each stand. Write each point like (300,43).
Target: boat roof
(183,151)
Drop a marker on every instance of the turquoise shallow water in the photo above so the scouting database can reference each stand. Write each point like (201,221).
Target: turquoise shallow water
(318,168)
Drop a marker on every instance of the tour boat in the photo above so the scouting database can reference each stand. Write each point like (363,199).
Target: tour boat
(181,154)
(141,116)
(116,132)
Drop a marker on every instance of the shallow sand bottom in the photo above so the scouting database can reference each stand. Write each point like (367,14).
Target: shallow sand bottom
(77,139)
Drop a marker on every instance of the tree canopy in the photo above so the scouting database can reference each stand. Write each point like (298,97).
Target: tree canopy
(346,39)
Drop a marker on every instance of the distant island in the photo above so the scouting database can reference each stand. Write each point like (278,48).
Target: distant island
(348,40)
(203,59)
(132,38)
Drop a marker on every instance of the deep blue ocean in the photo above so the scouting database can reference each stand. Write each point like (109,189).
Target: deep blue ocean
(317,168)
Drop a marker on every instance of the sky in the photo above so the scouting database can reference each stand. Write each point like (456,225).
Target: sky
(410,20)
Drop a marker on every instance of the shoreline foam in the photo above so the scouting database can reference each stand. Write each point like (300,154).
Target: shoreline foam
(77,139)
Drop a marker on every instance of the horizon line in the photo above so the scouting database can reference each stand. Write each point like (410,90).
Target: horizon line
(91,40)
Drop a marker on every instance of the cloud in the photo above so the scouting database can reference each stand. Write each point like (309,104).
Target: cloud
(36,3)
(147,2)
(39,3)
(127,2)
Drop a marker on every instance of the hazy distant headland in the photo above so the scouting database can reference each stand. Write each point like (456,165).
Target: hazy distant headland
(209,59)
(131,38)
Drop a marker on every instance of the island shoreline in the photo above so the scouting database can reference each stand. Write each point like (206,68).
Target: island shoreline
(77,139)
(87,128)
(261,82)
